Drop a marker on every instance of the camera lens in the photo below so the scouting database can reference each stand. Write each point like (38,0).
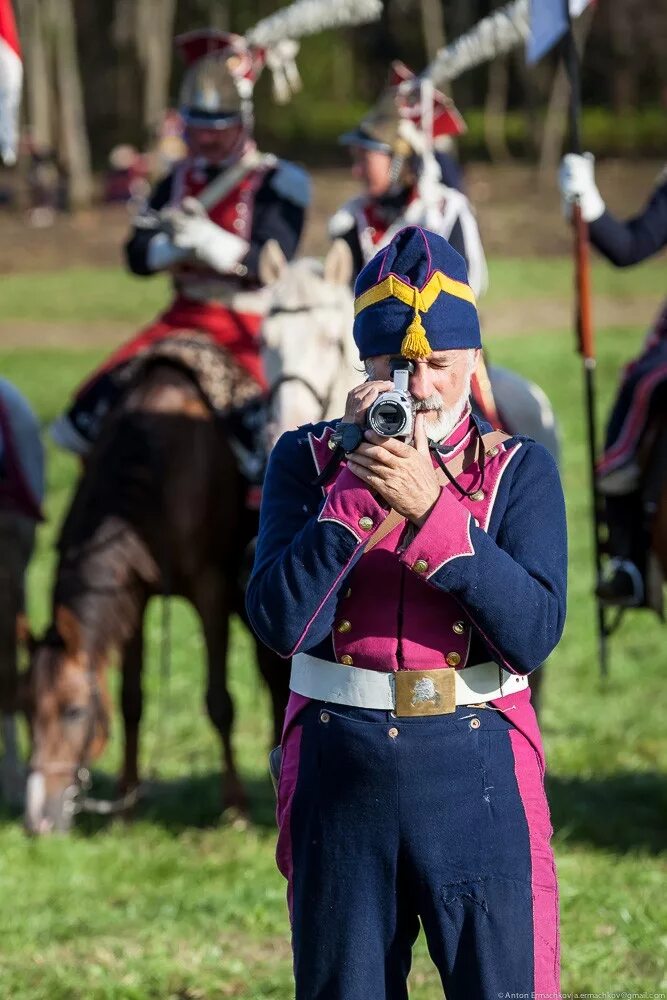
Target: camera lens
(388,418)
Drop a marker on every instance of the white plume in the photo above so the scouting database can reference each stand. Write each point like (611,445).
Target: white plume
(493,36)
(307,17)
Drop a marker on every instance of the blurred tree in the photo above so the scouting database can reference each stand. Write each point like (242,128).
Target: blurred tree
(154,28)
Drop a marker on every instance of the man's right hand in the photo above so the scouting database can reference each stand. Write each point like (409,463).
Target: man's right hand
(361,398)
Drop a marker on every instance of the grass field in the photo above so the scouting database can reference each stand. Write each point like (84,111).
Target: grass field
(177,906)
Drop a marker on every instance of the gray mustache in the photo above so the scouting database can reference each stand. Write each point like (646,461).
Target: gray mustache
(432,402)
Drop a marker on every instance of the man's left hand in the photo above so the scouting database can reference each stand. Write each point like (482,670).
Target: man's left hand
(403,475)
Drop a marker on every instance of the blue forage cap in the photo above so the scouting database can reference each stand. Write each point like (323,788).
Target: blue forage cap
(413,297)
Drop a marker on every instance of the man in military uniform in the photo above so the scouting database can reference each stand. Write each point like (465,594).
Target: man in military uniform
(406,180)
(642,385)
(206,223)
(416,585)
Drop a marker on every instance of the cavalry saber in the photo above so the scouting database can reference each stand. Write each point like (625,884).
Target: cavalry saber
(585,331)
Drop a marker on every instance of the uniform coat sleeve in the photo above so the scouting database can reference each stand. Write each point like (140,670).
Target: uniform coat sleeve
(305,548)
(626,243)
(136,247)
(512,586)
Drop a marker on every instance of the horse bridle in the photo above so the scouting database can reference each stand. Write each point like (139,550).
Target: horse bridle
(75,797)
(323,401)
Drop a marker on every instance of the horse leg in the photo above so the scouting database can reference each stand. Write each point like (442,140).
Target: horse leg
(132,706)
(212,601)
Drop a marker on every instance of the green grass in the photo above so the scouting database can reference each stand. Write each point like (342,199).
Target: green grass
(175,906)
(83,295)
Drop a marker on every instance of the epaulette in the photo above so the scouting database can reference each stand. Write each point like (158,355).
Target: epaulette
(291,182)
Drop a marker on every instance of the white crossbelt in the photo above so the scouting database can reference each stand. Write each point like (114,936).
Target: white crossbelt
(323,680)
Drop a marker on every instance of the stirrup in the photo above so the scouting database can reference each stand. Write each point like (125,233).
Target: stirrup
(613,589)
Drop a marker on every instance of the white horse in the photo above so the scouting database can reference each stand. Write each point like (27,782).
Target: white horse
(309,356)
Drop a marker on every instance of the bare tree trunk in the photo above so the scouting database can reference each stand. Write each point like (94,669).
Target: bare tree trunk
(39,88)
(218,14)
(154,35)
(495,110)
(75,146)
(555,123)
(433,28)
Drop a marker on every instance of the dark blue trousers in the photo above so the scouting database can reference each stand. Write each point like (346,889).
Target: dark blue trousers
(394,822)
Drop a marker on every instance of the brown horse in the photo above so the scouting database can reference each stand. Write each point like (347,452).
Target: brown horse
(160,509)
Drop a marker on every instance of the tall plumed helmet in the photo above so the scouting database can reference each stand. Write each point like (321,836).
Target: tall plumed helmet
(221,71)
(395,123)
(223,67)
(413,298)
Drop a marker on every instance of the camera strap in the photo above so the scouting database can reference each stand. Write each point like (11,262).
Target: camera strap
(474,452)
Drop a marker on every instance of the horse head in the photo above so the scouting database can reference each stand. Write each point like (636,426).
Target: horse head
(306,342)
(68,708)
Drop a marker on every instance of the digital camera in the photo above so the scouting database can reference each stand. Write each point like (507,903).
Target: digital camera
(393,412)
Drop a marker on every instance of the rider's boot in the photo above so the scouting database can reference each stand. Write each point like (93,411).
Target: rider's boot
(78,428)
(623,583)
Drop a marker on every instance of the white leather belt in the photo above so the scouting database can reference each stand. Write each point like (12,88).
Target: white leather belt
(406,692)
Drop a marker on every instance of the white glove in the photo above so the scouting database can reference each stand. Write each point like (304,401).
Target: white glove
(209,243)
(576,179)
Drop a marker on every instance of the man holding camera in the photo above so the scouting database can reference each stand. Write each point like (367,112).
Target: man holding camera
(415,596)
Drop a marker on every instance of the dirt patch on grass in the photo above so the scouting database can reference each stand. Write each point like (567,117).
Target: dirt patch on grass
(516,217)
(503,319)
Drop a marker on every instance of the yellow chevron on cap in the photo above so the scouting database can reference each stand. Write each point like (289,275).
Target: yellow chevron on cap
(394,287)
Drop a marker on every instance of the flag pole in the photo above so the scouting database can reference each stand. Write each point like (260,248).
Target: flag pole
(585,331)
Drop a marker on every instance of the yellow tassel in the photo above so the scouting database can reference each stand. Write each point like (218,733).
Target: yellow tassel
(415,345)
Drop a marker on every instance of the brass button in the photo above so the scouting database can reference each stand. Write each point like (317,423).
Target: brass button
(420,566)
(366,523)
(492,453)
(393,732)
(347,660)
(477,495)
(453,659)
(343,626)
(459,628)
(331,444)
(324,716)
(474,723)
(348,592)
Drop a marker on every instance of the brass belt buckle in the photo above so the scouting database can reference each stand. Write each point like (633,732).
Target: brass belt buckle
(425,692)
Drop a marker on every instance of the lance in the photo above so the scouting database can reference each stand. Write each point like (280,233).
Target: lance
(585,333)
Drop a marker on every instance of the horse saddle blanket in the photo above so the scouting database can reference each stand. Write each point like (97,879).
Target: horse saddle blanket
(230,391)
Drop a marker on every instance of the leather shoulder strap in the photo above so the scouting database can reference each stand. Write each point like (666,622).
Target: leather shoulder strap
(458,464)
(227,180)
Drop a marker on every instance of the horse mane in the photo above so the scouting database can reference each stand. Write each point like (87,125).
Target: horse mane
(103,548)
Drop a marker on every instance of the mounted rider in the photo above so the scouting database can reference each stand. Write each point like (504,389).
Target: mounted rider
(642,390)
(399,152)
(205,224)
(407,179)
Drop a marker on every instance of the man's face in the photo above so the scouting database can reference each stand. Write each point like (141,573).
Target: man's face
(215,145)
(440,384)
(373,168)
